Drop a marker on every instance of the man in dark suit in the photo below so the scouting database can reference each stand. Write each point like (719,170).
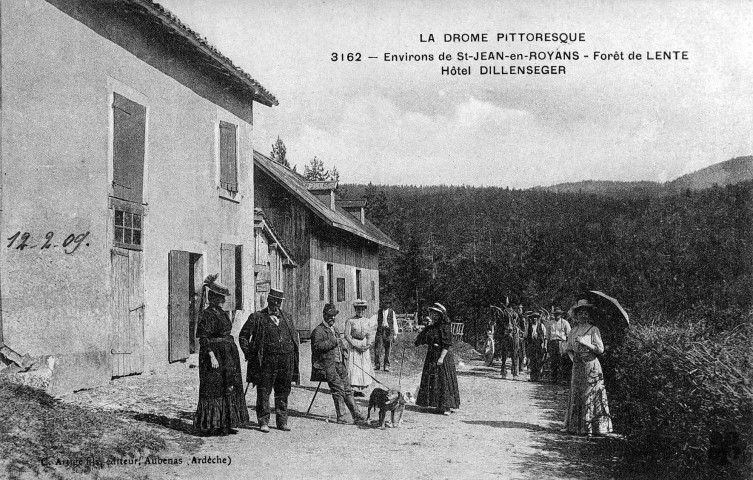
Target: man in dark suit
(386,333)
(270,342)
(329,363)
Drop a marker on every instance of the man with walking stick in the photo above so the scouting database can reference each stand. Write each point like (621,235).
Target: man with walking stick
(329,363)
(270,343)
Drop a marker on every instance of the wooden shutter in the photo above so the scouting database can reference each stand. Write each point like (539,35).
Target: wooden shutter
(129,136)
(227,273)
(239,277)
(321,288)
(179,312)
(228,157)
(340,289)
(330,283)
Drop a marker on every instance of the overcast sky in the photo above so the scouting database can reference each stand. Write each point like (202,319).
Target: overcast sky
(405,123)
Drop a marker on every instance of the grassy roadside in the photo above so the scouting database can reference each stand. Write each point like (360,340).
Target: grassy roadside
(43,437)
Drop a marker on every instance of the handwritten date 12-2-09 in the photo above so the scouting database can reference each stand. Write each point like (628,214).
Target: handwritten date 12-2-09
(22,240)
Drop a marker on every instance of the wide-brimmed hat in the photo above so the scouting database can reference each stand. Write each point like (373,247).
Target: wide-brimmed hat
(438,307)
(558,310)
(213,285)
(582,303)
(274,293)
(358,303)
(330,310)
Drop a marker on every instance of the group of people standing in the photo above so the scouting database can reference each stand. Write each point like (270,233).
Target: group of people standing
(525,337)
(572,352)
(341,357)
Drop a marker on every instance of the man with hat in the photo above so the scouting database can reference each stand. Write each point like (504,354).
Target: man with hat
(557,334)
(536,341)
(270,342)
(386,333)
(329,363)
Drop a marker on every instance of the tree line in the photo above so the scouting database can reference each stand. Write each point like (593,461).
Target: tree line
(470,247)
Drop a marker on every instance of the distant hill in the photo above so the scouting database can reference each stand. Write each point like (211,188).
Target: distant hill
(730,172)
(611,188)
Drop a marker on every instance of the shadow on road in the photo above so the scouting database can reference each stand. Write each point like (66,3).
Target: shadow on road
(177,424)
(563,455)
(506,424)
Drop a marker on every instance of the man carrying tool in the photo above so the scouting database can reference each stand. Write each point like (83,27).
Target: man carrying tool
(329,363)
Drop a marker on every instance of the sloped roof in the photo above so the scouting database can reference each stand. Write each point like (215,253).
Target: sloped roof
(163,19)
(324,185)
(352,203)
(260,221)
(337,218)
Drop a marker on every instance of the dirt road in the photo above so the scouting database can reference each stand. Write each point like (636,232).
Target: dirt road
(506,429)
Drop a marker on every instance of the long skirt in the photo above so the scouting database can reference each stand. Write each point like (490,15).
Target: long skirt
(359,368)
(439,383)
(587,407)
(221,401)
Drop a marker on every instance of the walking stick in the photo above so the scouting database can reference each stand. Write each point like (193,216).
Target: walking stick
(400,377)
(313,398)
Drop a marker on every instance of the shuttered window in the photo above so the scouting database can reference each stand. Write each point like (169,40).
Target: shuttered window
(340,289)
(129,136)
(373,290)
(239,277)
(228,157)
(231,274)
(358,284)
(321,288)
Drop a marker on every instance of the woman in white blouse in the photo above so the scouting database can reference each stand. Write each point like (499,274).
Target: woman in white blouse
(587,409)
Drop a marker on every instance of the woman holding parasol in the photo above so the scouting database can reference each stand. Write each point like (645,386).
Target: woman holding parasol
(587,408)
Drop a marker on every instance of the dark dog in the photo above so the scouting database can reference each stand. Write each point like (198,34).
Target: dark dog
(387,401)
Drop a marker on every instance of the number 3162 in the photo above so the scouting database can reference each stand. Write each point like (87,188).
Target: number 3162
(345,57)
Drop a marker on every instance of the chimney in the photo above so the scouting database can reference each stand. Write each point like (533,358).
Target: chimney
(324,191)
(357,208)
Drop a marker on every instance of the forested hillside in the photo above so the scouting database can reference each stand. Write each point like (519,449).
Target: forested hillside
(469,247)
(729,172)
(680,264)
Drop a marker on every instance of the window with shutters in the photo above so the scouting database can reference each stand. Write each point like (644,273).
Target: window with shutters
(340,289)
(373,290)
(358,284)
(228,157)
(330,286)
(128,151)
(321,288)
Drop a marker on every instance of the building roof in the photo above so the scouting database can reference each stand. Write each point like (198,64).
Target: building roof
(193,43)
(352,203)
(261,222)
(318,186)
(337,218)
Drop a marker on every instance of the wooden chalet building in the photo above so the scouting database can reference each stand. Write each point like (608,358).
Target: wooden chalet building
(334,245)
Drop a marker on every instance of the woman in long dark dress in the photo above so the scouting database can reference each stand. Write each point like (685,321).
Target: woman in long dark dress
(222,404)
(439,379)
